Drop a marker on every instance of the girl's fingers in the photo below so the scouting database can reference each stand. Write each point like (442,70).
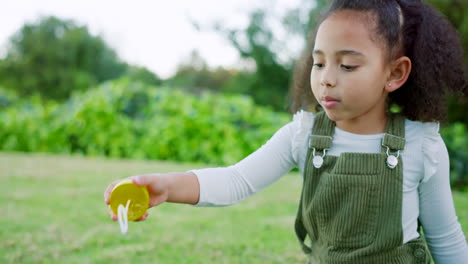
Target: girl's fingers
(113,216)
(140,180)
(109,190)
(145,179)
(143,218)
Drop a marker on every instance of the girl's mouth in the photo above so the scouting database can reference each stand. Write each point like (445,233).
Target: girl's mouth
(329,102)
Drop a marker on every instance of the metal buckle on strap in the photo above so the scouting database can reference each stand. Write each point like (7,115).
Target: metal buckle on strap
(318,160)
(392,160)
(321,145)
(396,143)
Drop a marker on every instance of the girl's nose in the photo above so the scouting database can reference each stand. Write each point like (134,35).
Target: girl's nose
(328,78)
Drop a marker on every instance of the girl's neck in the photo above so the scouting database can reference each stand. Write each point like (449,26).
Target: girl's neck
(365,125)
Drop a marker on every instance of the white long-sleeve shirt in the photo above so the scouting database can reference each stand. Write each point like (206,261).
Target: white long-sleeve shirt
(426,186)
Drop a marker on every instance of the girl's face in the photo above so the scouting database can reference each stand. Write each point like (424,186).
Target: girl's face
(349,74)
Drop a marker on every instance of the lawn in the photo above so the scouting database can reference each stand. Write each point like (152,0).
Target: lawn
(52,211)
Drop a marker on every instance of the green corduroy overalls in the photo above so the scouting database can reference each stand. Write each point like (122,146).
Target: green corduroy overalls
(351,205)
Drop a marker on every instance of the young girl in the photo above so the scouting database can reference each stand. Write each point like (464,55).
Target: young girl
(371,178)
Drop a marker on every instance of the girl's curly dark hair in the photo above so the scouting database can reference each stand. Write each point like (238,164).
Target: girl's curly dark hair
(423,35)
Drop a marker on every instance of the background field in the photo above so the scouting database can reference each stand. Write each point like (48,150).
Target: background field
(52,211)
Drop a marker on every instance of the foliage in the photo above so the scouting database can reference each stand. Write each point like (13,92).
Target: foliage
(54,57)
(457,144)
(269,83)
(194,75)
(143,75)
(7,98)
(130,119)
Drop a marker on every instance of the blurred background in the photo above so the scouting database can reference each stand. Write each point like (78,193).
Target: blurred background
(192,82)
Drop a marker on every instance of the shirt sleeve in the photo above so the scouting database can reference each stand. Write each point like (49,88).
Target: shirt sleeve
(228,185)
(442,229)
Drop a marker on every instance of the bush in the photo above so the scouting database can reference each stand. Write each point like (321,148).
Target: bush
(457,144)
(131,120)
(7,98)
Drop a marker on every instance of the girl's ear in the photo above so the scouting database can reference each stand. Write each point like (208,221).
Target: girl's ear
(399,72)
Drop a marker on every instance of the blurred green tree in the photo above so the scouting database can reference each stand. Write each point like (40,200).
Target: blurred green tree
(194,75)
(269,84)
(143,75)
(54,57)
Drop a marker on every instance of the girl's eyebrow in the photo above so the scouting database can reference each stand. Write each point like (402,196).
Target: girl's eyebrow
(341,53)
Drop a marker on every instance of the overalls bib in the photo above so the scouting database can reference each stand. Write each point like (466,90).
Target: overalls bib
(351,205)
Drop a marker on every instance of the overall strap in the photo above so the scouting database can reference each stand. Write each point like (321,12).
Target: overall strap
(300,229)
(320,140)
(322,132)
(394,137)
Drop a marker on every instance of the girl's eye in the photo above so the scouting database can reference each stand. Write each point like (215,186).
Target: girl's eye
(348,67)
(318,65)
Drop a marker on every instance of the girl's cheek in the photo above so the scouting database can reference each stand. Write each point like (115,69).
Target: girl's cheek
(313,78)
(314,87)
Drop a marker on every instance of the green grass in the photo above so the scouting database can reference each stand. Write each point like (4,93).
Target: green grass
(52,211)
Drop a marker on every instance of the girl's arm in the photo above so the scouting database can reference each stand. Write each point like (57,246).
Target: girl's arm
(228,185)
(176,187)
(224,185)
(181,187)
(437,212)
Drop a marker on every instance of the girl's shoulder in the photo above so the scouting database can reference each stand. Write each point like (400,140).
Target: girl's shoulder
(303,119)
(424,139)
(417,128)
(301,127)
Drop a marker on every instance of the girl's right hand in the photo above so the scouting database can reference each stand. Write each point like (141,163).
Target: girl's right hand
(156,184)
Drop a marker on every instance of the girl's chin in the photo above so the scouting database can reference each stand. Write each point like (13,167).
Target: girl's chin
(334,115)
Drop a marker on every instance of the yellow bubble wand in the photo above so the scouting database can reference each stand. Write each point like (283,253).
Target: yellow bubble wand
(135,198)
